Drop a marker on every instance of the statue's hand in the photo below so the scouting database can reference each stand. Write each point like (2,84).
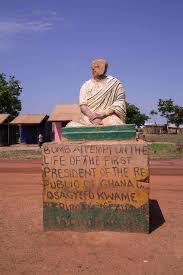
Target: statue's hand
(94,116)
(100,116)
(97,121)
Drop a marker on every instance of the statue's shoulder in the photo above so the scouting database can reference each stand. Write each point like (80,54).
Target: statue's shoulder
(85,86)
(112,78)
(86,83)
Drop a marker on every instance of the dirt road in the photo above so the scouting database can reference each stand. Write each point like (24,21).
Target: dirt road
(26,249)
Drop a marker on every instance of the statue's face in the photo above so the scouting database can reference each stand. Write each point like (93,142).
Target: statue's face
(99,68)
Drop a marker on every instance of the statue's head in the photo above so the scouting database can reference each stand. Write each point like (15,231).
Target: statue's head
(99,67)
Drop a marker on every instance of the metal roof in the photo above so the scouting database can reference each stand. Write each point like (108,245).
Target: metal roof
(65,112)
(3,117)
(29,119)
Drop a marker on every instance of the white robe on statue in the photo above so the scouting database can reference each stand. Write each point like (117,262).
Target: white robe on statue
(99,98)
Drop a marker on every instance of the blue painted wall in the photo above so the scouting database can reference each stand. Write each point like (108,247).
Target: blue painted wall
(29,133)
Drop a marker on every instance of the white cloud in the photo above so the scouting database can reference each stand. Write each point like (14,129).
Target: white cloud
(30,24)
(13,26)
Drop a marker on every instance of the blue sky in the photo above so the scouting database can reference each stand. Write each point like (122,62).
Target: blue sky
(49,45)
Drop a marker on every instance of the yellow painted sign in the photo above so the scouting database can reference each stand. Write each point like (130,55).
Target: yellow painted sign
(105,175)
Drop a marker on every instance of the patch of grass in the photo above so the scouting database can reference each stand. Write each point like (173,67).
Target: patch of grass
(165,151)
(169,138)
(162,147)
(21,154)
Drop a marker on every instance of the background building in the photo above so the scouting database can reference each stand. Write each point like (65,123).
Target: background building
(30,126)
(61,115)
(8,132)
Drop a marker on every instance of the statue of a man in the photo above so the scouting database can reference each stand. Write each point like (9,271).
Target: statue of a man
(102,99)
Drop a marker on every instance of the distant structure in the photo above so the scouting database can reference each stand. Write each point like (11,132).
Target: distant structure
(7,131)
(155,129)
(30,126)
(161,129)
(62,114)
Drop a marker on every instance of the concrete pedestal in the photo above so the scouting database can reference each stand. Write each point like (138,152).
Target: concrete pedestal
(96,185)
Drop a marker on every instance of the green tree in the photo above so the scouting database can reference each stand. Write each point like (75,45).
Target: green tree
(153,113)
(177,116)
(166,108)
(10,90)
(134,116)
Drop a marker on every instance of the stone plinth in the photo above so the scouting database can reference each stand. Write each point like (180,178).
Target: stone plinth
(115,132)
(96,185)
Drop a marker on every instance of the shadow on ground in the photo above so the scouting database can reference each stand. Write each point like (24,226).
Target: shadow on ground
(156,218)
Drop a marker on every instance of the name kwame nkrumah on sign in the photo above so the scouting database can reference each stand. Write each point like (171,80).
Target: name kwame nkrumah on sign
(100,175)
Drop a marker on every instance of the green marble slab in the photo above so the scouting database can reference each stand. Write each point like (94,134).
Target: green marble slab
(116,132)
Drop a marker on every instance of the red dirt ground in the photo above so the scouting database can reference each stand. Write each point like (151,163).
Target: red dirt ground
(26,249)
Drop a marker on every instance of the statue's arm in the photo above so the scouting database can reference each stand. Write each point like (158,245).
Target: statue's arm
(92,116)
(109,112)
(86,111)
(119,104)
(83,105)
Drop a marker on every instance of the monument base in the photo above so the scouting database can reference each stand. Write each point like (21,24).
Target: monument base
(96,185)
(115,132)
